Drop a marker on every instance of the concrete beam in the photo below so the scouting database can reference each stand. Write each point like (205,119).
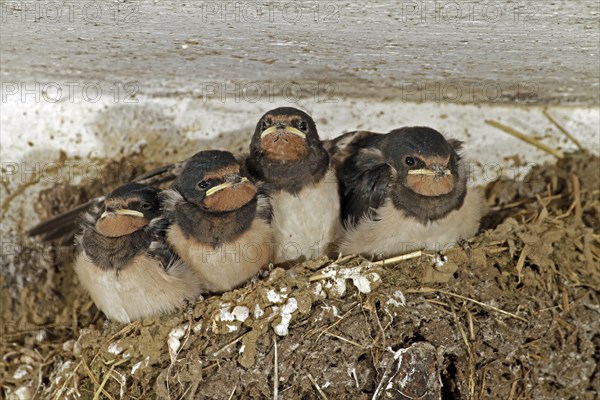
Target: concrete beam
(463,51)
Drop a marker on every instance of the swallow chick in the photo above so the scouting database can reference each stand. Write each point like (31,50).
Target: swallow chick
(403,191)
(220,221)
(288,156)
(62,228)
(125,263)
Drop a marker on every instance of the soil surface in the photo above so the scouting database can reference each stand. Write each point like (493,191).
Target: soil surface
(513,315)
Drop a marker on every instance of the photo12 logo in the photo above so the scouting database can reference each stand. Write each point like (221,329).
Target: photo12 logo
(55,92)
(258,11)
(115,12)
(68,171)
(252,92)
(38,252)
(468,11)
(461,92)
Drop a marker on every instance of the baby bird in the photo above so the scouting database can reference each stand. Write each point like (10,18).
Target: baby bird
(403,191)
(220,222)
(63,227)
(287,155)
(125,263)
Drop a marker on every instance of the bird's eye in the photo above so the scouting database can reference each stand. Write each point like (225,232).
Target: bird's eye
(302,126)
(265,124)
(409,161)
(203,185)
(146,205)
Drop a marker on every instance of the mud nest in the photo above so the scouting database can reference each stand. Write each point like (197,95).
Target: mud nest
(513,315)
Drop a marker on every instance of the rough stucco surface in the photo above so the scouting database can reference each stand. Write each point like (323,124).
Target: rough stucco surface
(534,51)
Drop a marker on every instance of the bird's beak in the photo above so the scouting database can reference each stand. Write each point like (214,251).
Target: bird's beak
(433,170)
(229,183)
(131,213)
(289,129)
